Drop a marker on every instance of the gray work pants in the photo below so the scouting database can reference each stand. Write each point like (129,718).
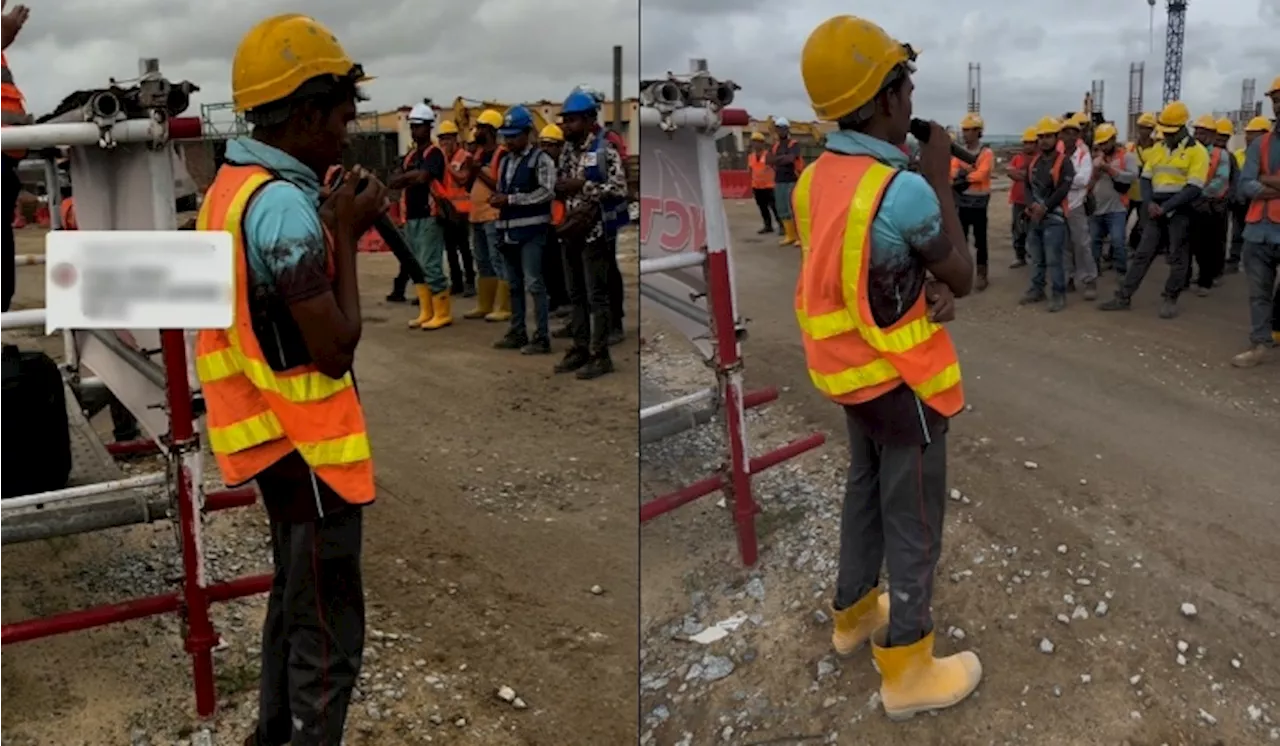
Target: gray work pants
(313,634)
(1078,255)
(1170,231)
(894,503)
(1260,263)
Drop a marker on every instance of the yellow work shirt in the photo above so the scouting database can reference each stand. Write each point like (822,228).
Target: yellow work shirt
(1239,154)
(1170,171)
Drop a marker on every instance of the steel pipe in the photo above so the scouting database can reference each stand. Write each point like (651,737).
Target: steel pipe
(676,403)
(28,260)
(85,490)
(27,317)
(696,117)
(136,360)
(675,261)
(83,134)
(72,520)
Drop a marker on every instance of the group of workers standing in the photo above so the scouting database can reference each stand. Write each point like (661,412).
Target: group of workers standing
(538,212)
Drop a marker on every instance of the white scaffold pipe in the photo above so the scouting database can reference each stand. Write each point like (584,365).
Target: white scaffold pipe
(26,317)
(675,261)
(678,402)
(697,117)
(28,260)
(83,134)
(87,490)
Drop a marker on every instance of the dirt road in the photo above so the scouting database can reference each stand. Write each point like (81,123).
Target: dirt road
(1112,467)
(505,496)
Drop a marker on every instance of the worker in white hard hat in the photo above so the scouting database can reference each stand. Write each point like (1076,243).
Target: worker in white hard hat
(1260,184)
(425,205)
(787,163)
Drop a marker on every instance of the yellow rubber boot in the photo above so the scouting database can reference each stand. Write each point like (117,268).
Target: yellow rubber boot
(441,312)
(485,289)
(501,303)
(788,233)
(424,307)
(913,681)
(855,625)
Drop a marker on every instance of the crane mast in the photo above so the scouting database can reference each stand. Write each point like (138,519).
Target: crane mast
(1173,40)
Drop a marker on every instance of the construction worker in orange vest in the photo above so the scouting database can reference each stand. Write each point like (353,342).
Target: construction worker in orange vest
(551,140)
(14,114)
(1255,128)
(1260,184)
(973,190)
(426,209)
(787,163)
(494,293)
(1208,230)
(456,222)
(871,234)
(282,407)
(762,182)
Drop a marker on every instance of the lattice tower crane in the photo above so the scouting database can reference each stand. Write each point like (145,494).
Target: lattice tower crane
(1173,40)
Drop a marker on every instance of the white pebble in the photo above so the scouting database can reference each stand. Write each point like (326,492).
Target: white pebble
(506,693)
(1188,610)
(1062,549)
(1084,482)
(1083,581)
(596,590)
(1255,713)
(1181,659)
(1235,663)
(1211,720)
(955,494)
(1085,678)
(1101,609)
(1046,646)
(956,633)
(1031,464)
(1182,646)
(1134,679)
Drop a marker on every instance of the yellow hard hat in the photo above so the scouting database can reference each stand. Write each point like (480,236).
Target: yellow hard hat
(1030,135)
(1258,124)
(447,127)
(1206,122)
(490,118)
(1275,86)
(845,62)
(971,121)
(757,137)
(1106,132)
(1174,115)
(1076,121)
(1147,119)
(1048,126)
(280,54)
(552,132)
(1225,127)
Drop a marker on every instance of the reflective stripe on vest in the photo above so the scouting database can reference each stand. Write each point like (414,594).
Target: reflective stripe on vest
(524,179)
(255,416)
(850,358)
(761,174)
(1260,208)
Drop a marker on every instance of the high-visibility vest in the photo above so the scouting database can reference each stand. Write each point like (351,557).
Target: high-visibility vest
(1135,189)
(981,168)
(1171,170)
(13,108)
(850,358)
(255,415)
(1055,171)
(761,174)
(1239,154)
(1215,160)
(1259,207)
(454,185)
(798,161)
(436,188)
(481,210)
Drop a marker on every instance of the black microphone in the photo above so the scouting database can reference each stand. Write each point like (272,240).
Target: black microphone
(921,130)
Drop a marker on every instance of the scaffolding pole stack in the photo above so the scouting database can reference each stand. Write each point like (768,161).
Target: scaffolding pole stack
(131,159)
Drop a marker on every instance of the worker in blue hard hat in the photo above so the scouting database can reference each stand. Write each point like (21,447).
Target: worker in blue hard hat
(594,186)
(526,188)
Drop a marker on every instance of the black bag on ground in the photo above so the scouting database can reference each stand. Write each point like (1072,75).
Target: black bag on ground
(36,442)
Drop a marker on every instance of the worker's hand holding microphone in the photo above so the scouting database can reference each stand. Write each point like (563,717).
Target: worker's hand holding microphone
(935,155)
(357,202)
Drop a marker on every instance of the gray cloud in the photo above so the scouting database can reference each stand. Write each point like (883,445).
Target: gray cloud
(503,50)
(1037,58)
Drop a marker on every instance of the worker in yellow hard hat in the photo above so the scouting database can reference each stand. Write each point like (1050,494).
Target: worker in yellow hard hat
(1016,170)
(551,140)
(1260,184)
(456,221)
(1077,257)
(494,293)
(762,182)
(871,235)
(1143,142)
(1253,129)
(301,434)
(973,191)
(1114,169)
(1175,174)
(1049,178)
(1207,233)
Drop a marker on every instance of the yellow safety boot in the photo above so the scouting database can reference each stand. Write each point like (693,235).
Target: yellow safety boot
(913,681)
(855,625)
(440,312)
(485,289)
(424,307)
(501,303)
(788,233)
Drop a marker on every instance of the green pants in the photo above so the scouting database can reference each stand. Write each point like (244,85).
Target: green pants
(426,241)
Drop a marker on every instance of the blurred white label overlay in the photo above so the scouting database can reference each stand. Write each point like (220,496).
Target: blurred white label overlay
(139,280)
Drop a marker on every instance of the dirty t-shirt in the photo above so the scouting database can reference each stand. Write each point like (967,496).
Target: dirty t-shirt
(908,220)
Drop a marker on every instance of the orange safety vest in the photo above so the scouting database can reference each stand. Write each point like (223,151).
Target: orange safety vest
(850,358)
(1259,207)
(67,211)
(481,211)
(799,160)
(255,415)
(13,108)
(981,169)
(1055,172)
(436,188)
(761,174)
(1117,159)
(453,186)
(1214,161)
(557,212)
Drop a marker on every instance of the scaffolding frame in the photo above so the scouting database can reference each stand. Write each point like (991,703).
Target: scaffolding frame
(178,441)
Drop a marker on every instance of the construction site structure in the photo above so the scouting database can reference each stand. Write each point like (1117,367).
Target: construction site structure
(1174,38)
(1248,100)
(1137,73)
(974,103)
(1097,98)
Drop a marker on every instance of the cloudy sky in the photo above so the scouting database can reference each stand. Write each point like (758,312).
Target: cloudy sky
(504,50)
(1037,57)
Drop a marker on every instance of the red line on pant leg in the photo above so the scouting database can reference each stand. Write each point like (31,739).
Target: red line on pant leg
(928,532)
